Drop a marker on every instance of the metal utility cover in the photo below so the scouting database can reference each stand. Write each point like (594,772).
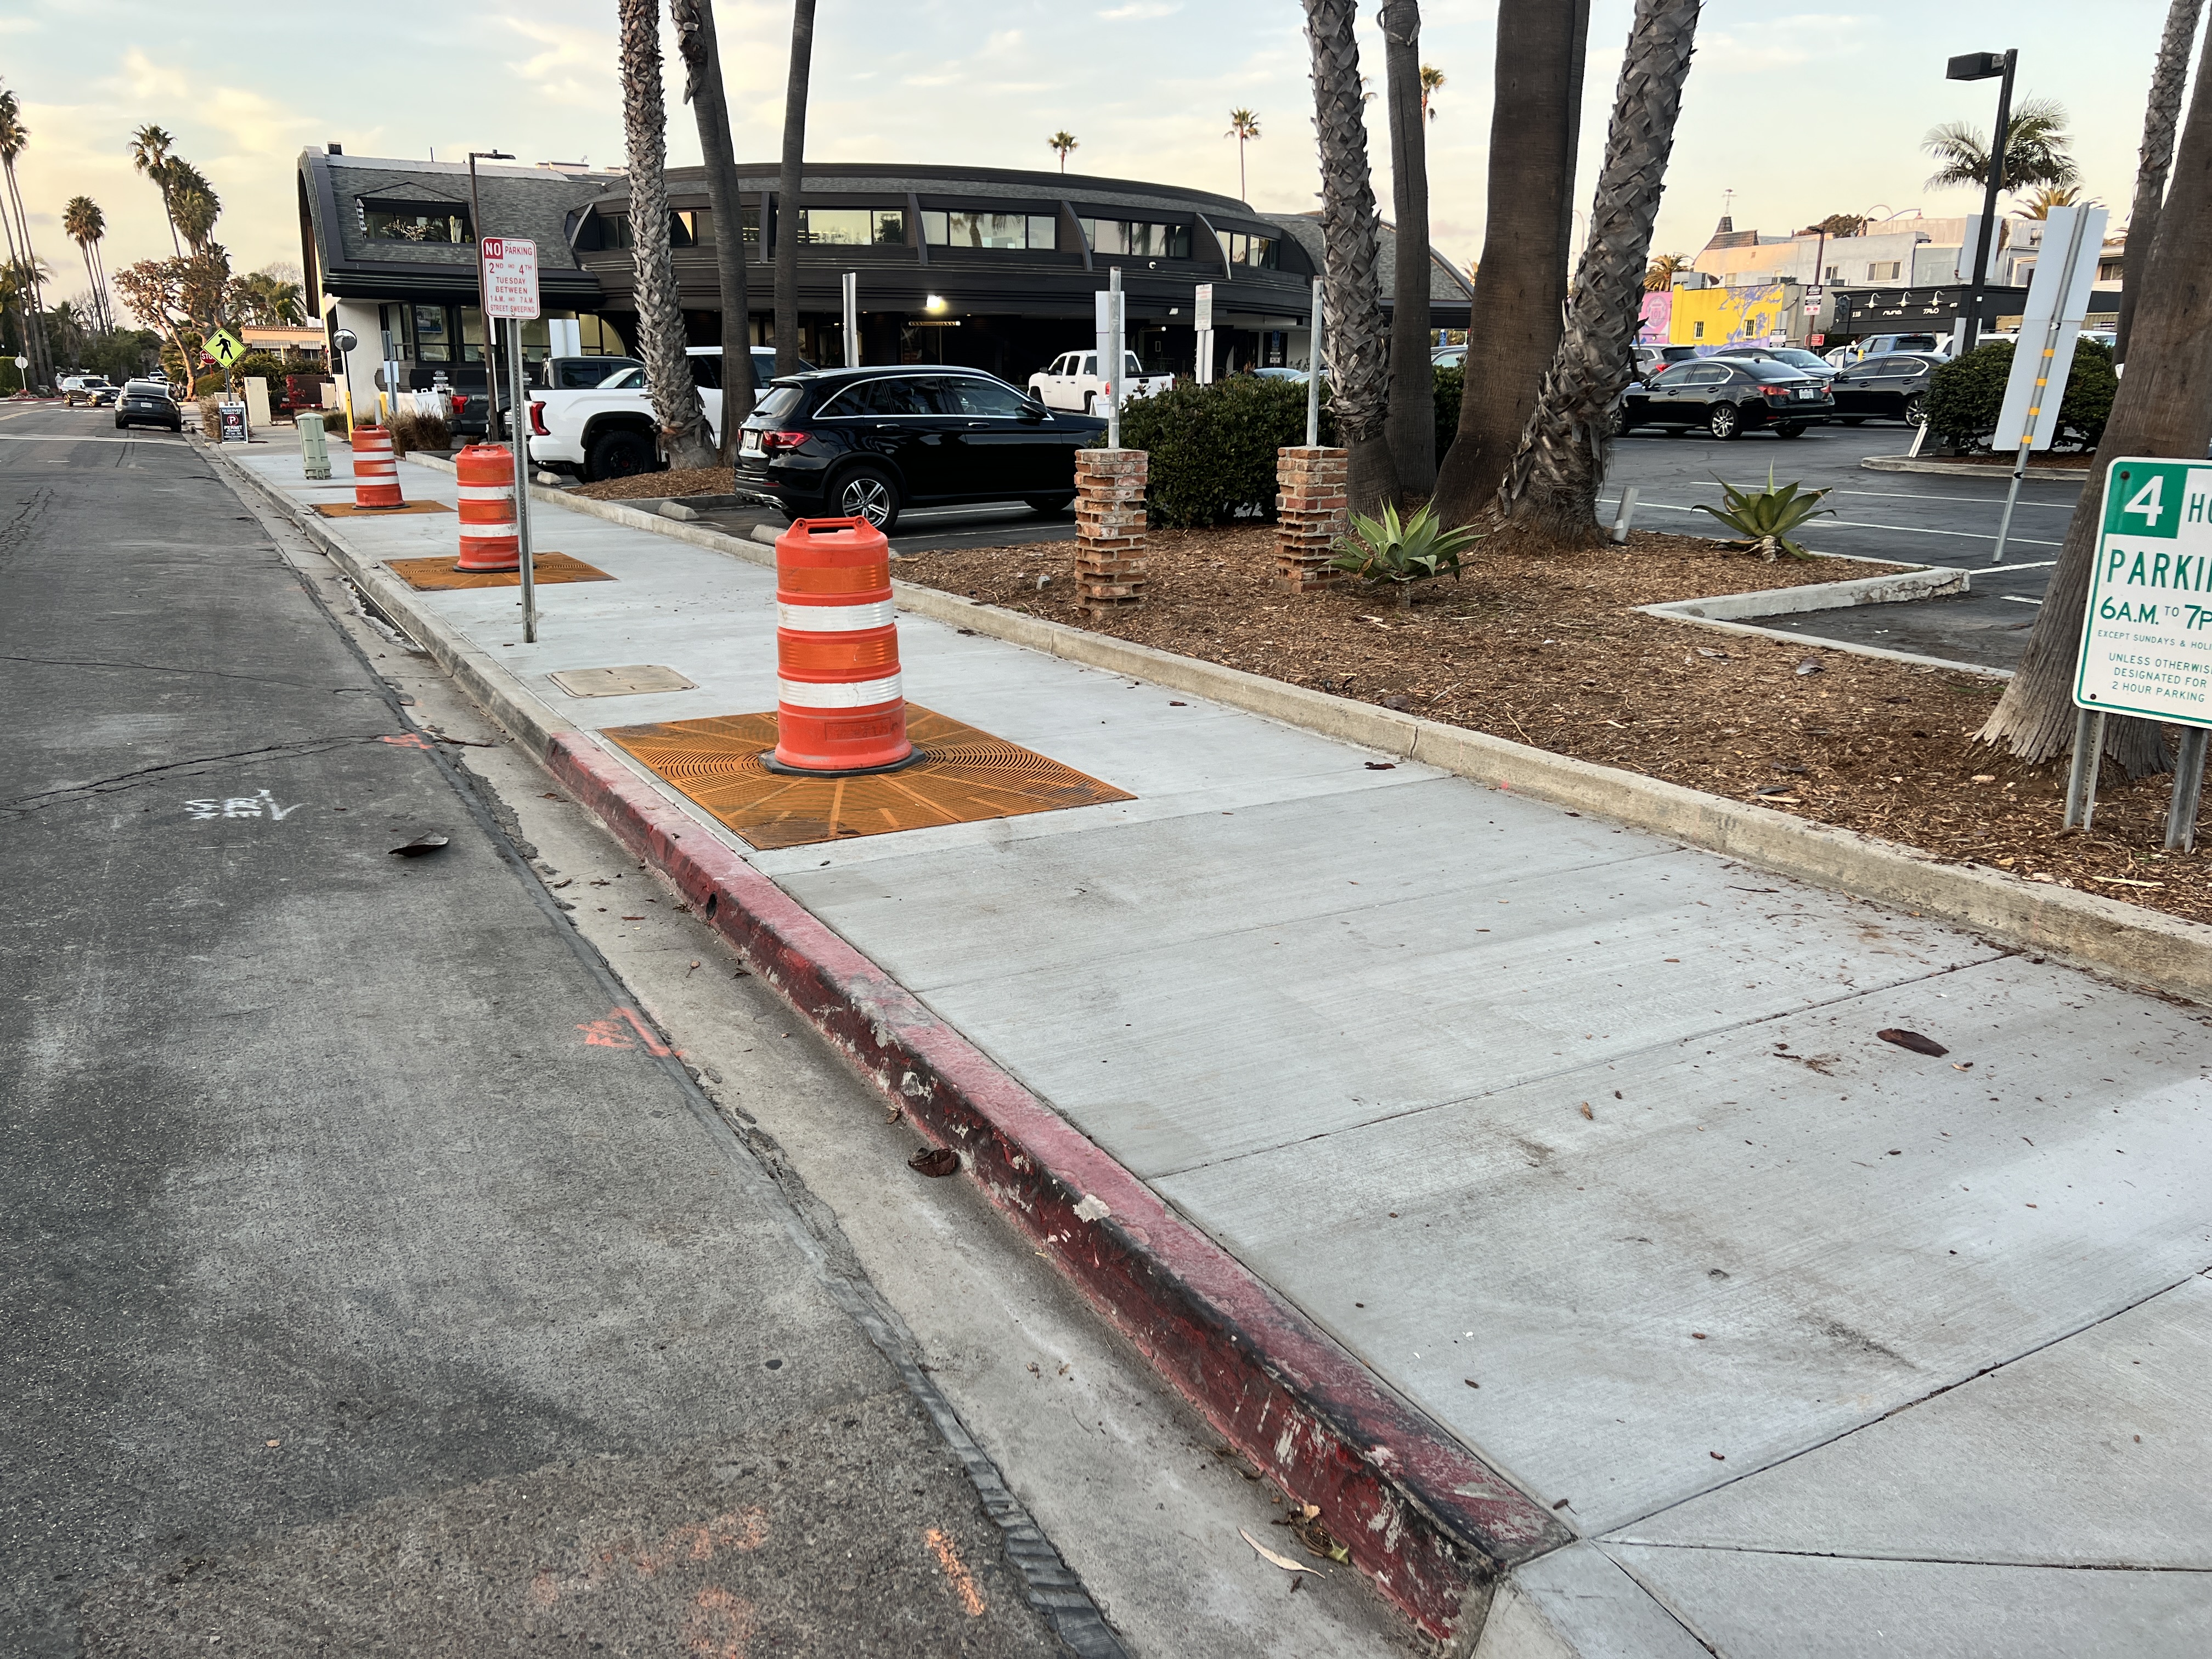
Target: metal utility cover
(2147,629)
(438,574)
(967,777)
(621,682)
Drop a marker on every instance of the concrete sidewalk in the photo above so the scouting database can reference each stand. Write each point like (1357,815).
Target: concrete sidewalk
(1582,1142)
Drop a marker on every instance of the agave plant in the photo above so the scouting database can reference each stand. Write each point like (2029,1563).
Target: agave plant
(1401,552)
(1765,518)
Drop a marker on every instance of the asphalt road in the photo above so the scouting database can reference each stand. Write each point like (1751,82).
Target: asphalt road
(375,1281)
(1918,517)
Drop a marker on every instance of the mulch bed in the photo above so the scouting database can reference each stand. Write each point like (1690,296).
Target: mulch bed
(1544,649)
(2037,462)
(692,481)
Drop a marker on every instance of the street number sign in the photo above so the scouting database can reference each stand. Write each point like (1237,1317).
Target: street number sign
(510,276)
(224,347)
(2146,635)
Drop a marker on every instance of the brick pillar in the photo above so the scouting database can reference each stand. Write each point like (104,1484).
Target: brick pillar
(1311,512)
(1109,529)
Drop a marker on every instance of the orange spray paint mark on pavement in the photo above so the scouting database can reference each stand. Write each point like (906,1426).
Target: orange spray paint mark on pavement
(720,1625)
(963,1583)
(408,740)
(624,1028)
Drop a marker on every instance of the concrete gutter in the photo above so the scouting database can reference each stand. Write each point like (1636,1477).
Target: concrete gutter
(2124,941)
(1968,470)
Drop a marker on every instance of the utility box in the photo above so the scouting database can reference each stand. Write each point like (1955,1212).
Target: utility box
(257,402)
(314,448)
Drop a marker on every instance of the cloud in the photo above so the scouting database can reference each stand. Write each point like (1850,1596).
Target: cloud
(1137,11)
(578,65)
(1782,43)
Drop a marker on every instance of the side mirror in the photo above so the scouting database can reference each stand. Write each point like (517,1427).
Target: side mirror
(1034,410)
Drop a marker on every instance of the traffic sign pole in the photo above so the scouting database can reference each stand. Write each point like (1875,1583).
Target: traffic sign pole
(510,290)
(520,429)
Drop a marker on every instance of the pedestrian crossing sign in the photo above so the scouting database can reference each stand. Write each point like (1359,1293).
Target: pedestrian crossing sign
(224,347)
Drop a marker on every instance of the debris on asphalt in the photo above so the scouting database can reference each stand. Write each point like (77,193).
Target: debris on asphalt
(418,847)
(1912,1040)
(1274,1560)
(1812,666)
(1586,1112)
(935,1161)
(1382,766)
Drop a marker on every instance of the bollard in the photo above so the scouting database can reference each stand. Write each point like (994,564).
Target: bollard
(488,540)
(375,473)
(840,709)
(314,448)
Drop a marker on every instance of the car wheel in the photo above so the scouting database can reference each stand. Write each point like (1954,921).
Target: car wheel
(1790,429)
(622,453)
(120,425)
(1050,506)
(867,492)
(1725,422)
(1618,426)
(1916,410)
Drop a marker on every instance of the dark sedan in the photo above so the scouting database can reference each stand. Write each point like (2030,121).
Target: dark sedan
(147,402)
(867,443)
(1889,388)
(1725,398)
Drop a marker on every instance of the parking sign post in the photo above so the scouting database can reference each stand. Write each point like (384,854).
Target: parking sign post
(510,282)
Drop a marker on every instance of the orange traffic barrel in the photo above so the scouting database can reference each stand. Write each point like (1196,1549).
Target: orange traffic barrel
(375,473)
(487,535)
(839,708)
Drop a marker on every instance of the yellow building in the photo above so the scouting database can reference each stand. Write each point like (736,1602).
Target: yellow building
(1713,317)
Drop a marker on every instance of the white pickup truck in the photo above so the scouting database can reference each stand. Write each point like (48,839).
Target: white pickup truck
(606,431)
(1072,381)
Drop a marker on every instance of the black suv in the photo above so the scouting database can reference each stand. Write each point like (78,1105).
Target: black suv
(147,402)
(1727,397)
(865,443)
(1887,388)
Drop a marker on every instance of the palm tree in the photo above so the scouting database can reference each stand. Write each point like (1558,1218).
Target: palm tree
(1535,121)
(2163,115)
(2036,140)
(787,211)
(14,137)
(1659,275)
(1243,124)
(676,406)
(1432,81)
(193,205)
(1552,485)
(1412,373)
(85,224)
(1062,142)
(702,87)
(150,155)
(269,300)
(1358,365)
(2038,204)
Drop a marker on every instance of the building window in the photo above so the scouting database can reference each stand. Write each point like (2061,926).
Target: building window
(1037,231)
(1244,250)
(433,335)
(1884,270)
(1138,238)
(852,227)
(1697,331)
(1835,274)
(687,227)
(413,222)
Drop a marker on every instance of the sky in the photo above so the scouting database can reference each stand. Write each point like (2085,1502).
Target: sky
(1799,114)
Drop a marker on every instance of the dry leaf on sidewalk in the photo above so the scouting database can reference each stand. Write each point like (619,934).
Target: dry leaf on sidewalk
(1269,1556)
(419,847)
(1912,1040)
(935,1161)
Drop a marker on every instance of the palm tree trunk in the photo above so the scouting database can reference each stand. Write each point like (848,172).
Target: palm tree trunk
(35,343)
(1358,366)
(2167,79)
(1412,373)
(2160,410)
(1551,487)
(702,66)
(661,339)
(1521,282)
(787,187)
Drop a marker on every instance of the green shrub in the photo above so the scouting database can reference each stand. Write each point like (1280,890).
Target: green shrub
(1965,395)
(1211,448)
(1390,552)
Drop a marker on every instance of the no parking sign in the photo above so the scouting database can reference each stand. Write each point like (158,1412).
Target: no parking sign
(2146,632)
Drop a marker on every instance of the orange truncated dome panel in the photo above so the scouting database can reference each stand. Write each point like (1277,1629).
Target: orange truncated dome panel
(840,706)
(488,541)
(375,473)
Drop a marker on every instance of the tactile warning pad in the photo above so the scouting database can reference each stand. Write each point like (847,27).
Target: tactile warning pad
(349,510)
(969,776)
(438,574)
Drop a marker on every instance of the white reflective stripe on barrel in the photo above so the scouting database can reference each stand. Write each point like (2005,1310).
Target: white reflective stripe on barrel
(847,693)
(487,492)
(835,618)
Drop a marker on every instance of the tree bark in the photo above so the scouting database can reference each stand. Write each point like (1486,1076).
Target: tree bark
(1412,371)
(703,67)
(1521,282)
(2160,409)
(2168,76)
(676,407)
(787,187)
(1359,367)
(1551,487)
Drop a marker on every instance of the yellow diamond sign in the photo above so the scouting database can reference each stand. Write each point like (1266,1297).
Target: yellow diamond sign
(224,347)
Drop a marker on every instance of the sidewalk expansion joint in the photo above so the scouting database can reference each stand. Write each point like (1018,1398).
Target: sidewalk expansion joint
(1606,1543)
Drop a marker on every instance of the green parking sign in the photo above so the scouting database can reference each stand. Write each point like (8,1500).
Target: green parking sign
(2146,631)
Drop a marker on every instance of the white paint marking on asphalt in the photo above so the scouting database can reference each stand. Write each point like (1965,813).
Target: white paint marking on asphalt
(62,438)
(242,807)
(2040,564)
(1963,500)
(2016,598)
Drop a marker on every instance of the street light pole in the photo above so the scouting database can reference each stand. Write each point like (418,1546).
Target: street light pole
(1983,66)
(483,308)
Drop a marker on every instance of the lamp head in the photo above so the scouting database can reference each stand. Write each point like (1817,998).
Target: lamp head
(1975,66)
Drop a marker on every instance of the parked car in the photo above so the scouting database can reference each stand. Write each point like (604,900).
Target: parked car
(1893,387)
(148,402)
(1650,359)
(579,374)
(1449,357)
(867,443)
(1796,356)
(608,431)
(1070,380)
(92,389)
(1727,398)
(1877,345)
(1280,373)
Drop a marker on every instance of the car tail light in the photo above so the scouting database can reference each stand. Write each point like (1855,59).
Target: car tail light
(1776,391)
(772,441)
(537,419)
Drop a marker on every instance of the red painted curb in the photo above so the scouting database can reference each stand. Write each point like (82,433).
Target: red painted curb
(1422,1516)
